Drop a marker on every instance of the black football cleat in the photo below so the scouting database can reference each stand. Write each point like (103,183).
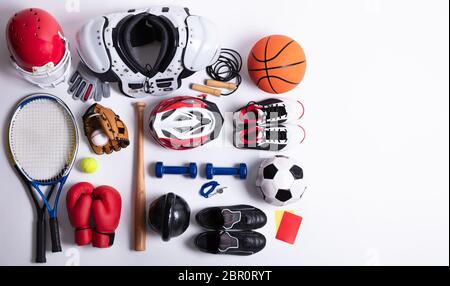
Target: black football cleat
(233,243)
(241,217)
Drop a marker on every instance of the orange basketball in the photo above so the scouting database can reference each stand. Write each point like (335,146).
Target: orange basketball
(277,64)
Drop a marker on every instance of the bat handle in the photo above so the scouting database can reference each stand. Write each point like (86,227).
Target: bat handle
(54,232)
(40,239)
(140,195)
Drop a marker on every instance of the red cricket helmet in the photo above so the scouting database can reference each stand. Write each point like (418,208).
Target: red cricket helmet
(38,48)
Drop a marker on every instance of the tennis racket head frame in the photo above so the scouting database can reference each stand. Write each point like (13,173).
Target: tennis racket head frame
(66,170)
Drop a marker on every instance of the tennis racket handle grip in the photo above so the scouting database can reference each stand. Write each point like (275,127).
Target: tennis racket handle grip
(221,84)
(205,89)
(54,231)
(40,241)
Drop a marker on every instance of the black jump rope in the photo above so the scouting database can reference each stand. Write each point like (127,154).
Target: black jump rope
(227,68)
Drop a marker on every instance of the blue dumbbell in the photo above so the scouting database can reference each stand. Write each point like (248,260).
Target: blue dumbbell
(161,170)
(212,171)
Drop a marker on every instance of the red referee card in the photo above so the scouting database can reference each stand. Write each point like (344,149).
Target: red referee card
(289,226)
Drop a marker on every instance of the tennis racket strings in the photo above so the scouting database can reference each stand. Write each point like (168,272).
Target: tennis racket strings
(43,139)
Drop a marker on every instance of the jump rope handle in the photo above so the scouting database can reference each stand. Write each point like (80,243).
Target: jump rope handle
(220,84)
(54,232)
(205,89)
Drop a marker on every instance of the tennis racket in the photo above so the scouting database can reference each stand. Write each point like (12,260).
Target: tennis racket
(43,141)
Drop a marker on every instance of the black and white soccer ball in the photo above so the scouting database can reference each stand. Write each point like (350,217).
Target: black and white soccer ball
(280,181)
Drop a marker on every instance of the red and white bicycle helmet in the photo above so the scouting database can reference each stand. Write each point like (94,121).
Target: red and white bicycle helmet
(185,122)
(38,48)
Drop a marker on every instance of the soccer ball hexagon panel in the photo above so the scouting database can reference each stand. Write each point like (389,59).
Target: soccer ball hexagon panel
(280,181)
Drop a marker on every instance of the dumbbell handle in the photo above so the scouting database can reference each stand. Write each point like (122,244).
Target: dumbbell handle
(211,171)
(226,171)
(175,170)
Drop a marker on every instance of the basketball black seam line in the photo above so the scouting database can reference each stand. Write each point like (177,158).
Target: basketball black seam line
(279,67)
(277,77)
(265,64)
(274,57)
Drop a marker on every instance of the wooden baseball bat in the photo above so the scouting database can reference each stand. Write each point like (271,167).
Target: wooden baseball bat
(140,196)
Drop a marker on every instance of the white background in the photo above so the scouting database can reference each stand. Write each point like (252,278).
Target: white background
(376,155)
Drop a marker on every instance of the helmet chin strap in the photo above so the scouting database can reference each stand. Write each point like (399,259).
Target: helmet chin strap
(47,68)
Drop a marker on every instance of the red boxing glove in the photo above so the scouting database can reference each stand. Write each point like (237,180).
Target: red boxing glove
(106,215)
(79,202)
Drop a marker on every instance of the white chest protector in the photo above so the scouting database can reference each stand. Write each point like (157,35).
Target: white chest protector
(121,48)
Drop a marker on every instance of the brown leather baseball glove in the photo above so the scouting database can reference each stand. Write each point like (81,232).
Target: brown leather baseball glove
(104,129)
